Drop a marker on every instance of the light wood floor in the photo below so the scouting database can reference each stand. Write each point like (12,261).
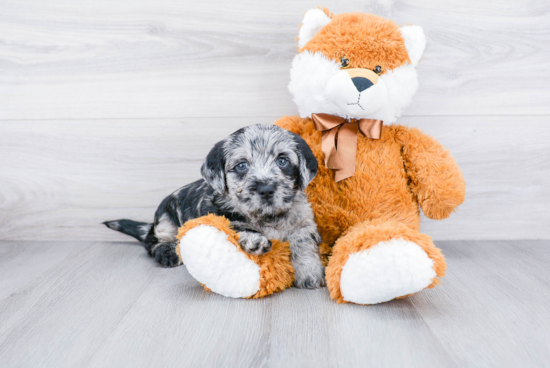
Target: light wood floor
(107,304)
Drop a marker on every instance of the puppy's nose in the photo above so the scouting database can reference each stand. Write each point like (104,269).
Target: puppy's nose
(361,83)
(266,190)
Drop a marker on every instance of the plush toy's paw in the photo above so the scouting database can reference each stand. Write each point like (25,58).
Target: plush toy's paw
(211,252)
(377,261)
(386,271)
(217,263)
(254,243)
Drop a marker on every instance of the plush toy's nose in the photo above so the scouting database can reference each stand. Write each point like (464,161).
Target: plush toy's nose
(362,78)
(361,83)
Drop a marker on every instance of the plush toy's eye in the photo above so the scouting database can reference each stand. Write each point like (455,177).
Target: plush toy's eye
(378,69)
(242,167)
(345,62)
(282,162)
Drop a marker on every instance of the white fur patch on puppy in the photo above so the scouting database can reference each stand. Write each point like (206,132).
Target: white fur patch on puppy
(415,42)
(386,271)
(217,263)
(165,229)
(313,21)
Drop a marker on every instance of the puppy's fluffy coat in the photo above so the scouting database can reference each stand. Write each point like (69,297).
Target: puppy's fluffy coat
(256,178)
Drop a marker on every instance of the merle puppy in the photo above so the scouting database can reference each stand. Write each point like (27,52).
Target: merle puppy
(256,178)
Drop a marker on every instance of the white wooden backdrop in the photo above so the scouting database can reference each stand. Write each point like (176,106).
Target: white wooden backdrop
(106,106)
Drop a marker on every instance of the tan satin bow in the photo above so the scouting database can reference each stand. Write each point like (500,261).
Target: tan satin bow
(339,142)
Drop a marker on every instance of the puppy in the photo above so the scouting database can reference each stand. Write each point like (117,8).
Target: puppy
(256,178)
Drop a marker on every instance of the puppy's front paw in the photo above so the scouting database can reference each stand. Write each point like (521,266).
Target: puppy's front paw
(314,278)
(166,255)
(254,243)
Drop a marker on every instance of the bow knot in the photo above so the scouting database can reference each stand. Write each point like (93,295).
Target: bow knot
(339,141)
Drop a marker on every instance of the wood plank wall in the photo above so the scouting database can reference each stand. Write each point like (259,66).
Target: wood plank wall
(107,106)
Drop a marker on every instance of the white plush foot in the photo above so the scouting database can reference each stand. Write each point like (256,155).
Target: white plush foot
(217,263)
(386,271)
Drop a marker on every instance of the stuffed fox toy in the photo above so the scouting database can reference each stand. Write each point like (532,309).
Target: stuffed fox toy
(353,76)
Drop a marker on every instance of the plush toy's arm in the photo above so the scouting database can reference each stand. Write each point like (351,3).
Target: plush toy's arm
(435,177)
(210,249)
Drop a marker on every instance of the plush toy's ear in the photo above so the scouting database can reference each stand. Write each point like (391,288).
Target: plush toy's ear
(308,162)
(213,168)
(415,42)
(313,21)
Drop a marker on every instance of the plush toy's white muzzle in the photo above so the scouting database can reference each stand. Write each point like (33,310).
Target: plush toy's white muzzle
(356,93)
(319,85)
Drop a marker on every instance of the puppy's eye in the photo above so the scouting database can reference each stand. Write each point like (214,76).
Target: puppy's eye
(282,162)
(378,69)
(242,167)
(344,61)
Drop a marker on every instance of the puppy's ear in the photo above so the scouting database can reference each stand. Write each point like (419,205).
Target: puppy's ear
(308,162)
(213,168)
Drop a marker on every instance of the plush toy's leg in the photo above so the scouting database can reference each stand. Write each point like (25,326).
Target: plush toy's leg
(209,249)
(377,261)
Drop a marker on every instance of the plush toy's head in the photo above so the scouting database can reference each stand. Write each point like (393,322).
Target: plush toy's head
(355,65)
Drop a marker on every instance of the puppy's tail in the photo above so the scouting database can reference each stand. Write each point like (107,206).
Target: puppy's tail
(138,230)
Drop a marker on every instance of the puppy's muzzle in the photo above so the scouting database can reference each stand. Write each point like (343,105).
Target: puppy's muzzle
(266,191)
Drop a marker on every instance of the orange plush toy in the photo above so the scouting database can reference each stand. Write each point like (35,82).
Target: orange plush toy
(353,76)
